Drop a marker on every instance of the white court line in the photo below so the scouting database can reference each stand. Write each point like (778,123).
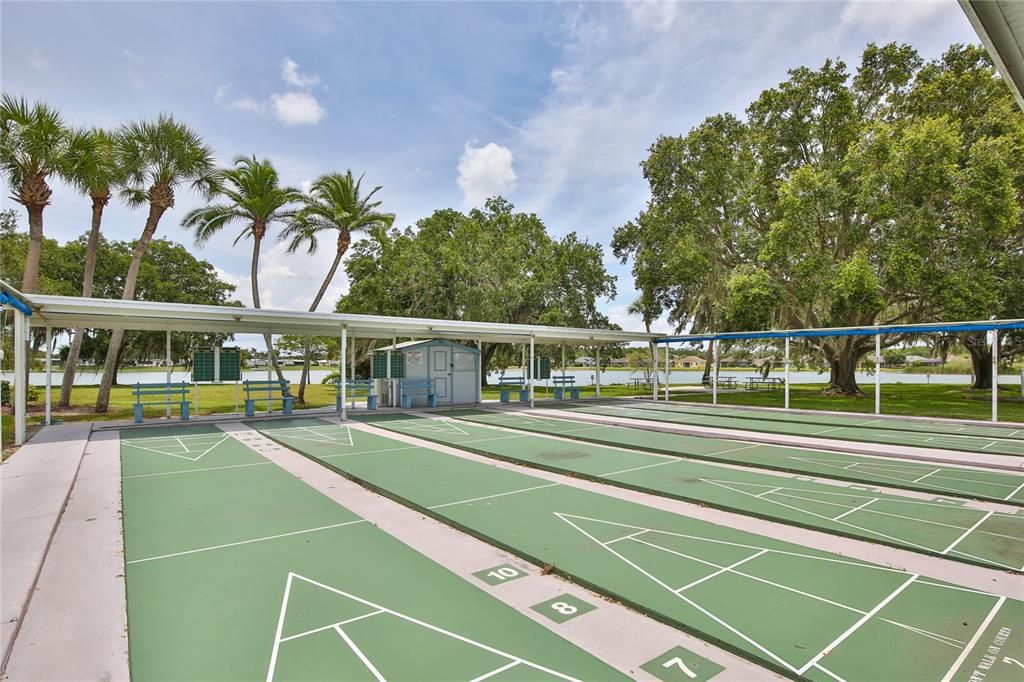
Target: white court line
(974,640)
(689,601)
(646,466)
(767,492)
(837,428)
(280,627)
(358,652)
(244,542)
(626,537)
(333,625)
(996,563)
(496,671)
(967,532)
(189,471)
(930,473)
(488,497)
(829,672)
(1015,491)
(369,452)
(720,571)
(857,508)
(856,626)
(428,626)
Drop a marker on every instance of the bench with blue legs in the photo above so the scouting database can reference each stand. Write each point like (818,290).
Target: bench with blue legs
(356,388)
(267,390)
(562,383)
(415,387)
(507,384)
(161,394)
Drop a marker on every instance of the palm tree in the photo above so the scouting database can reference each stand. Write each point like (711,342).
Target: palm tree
(35,145)
(157,157)
(334,203)
(96,177)
(254,197)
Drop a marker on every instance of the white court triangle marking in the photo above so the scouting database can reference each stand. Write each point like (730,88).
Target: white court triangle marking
(384,610)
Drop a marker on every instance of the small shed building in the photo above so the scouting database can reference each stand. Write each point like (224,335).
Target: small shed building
(454,368)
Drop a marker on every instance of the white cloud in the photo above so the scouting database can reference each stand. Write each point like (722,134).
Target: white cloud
(652,15)
(484,172)
(290,74)
(223,98)
(885,17)
(297,108)
(37,62)
(305,186)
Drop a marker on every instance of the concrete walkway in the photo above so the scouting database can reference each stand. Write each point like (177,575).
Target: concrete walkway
(35,485)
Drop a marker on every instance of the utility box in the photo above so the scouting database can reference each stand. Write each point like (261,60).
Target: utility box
(452,368)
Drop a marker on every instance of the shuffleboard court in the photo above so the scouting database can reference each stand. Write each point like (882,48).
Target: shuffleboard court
(798,610)
(945,441)
(236,569)
(830,419)
(977,536)
(996,486)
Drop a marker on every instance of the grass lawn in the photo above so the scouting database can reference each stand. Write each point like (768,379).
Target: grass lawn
(922,400)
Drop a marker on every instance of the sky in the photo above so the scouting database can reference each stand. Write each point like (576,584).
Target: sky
(552,105)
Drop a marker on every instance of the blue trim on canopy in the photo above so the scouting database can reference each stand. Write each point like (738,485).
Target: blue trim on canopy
(853,331)
(7,299)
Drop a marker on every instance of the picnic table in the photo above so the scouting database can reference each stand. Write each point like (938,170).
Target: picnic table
(639,383)
(767,383)
(723,382)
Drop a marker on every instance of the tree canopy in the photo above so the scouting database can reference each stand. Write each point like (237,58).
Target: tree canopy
(892,193)
(493,264)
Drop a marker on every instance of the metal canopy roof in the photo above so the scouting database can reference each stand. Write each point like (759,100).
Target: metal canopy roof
(1000,25)
(73,311)
(926,328)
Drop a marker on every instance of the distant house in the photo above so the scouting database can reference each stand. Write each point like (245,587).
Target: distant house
(619,362)
(737,362)
(923,361)
(690,361)
(584,361)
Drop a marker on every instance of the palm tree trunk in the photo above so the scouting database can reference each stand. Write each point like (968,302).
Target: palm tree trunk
(254,280)
(71,363)
(130,280)
(312,308)
(30,278)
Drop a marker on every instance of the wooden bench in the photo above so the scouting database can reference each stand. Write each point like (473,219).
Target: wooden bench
(168,394)
(564,382)
(355,388)
(415,387)
(264,390)
(506,384)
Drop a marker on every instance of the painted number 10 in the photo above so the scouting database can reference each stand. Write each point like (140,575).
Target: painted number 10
(678,663)
(503,573)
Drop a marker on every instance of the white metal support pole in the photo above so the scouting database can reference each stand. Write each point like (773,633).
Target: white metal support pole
(654,371)
(995,375)
(667,345)
(49,374)
(714,371)
(531,371)
(343,382)
(597,374)
(563,364)
(479,371)
(352,371)
(168,365)
(20,375)
(270,366)
(786,363)
(878,374)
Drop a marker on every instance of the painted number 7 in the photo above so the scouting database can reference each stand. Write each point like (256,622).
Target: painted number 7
(678,663)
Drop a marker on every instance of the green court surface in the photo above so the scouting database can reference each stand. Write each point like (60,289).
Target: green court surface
(674,414)
(996,486)
(236,569)
(828,419)
(801,611)
(974,535)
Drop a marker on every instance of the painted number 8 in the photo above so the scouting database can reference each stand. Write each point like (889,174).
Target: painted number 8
(563,608)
